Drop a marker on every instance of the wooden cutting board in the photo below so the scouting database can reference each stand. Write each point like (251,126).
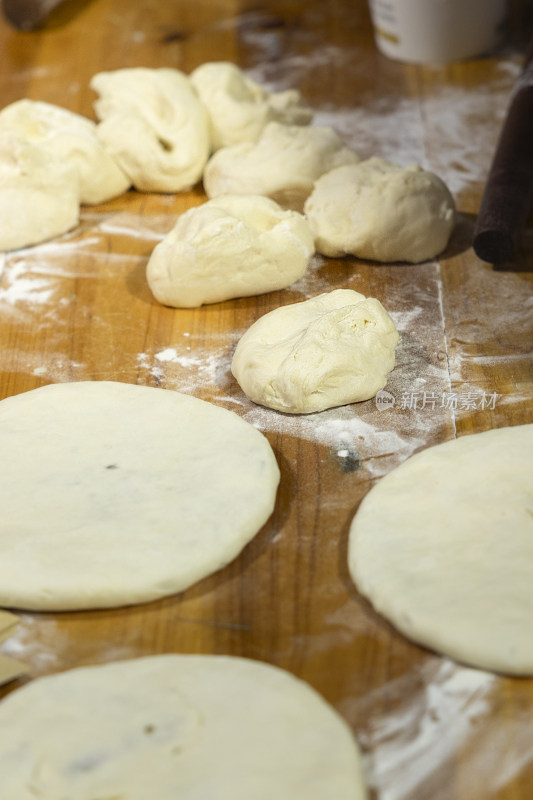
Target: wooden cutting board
(79,308)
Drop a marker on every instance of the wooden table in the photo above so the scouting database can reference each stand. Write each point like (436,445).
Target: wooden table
(79,308)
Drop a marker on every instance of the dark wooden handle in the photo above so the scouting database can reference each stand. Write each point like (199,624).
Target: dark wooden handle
(508,194)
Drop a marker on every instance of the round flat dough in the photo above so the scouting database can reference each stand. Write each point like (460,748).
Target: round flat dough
(233,246)
(154,126)
(334,349)
(39,194)
(176,726)
(443,547)
(71,138)
(282,164)
(119,494)
(382,212)
(239,108)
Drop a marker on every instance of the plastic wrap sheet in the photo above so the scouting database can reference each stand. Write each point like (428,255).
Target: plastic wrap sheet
(78,308)
(415,718)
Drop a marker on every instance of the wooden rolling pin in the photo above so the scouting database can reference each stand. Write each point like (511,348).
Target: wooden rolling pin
(508,195)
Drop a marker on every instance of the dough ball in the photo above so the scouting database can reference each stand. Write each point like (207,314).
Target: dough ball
(283,164)
(334,349)
(382,212)
(443,548)
(39,194)
(119,494)
(239,108)
(176,726)
(154,126)
(233,246)
(71,138)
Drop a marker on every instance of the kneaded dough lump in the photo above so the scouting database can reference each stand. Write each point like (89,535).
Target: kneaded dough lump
(443,548)
(119,494)
(282,164)
(233,246)
(39,194)
(334,349)
(176,727)
(154,126)
(380,211)
(71,138)
(239,108)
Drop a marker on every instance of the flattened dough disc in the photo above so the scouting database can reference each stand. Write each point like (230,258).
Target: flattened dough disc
(443,547)
(116,494)
(175,726)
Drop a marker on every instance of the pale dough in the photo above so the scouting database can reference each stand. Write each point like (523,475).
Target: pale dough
(334,349)
(154,126)
(283,163)
(382,212)
(239,108)
(71,138)
(119,494)
(175,727)
(233,246)
(39,194)
(443,548)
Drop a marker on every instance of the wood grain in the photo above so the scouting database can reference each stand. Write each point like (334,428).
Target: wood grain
(80,309)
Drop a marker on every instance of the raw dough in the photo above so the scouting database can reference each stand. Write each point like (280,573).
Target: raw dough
(8,623)
(239,108)
(233,246)
(334,349)
(10,669)
(379,211)
(120,494)
(283,164)
(154,125)
(175,726)
(443,547)
(39,194)
(71,138)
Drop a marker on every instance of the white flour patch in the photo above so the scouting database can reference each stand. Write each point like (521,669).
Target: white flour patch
(403,320)
(21,287)
(191,369)
(434,714)
(285,72)
(27,290)
(168,354)
(55,366)
(25,644)
(443,130)
(393,131)
(356,434)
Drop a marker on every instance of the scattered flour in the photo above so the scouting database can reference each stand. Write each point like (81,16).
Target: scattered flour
(444,134)
(443,130)
(430,717)
(168,354)
(20,286)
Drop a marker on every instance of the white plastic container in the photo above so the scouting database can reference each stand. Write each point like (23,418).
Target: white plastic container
(436,31)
